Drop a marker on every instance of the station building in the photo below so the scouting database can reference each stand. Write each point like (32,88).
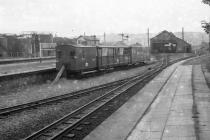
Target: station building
(87,41)
(167,42)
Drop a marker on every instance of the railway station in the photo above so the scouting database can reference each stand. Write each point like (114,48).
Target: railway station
(105,70)
(167,103)
(130,95)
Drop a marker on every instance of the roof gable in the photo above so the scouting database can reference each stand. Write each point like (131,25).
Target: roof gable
(164,35)
(167,36)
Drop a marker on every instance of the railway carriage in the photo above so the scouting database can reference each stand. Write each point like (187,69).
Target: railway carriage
(78,59)
(111,56)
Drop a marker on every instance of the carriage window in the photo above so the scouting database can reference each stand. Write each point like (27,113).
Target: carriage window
(110,52)
(121,51)
(72,53)
(99,52)
(104,51)
(126,51)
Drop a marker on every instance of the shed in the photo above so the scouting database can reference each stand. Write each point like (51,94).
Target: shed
(167,42)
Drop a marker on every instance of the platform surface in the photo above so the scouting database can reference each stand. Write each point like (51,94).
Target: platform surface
(170,117)
(121,123)
(202,103)
(9,69)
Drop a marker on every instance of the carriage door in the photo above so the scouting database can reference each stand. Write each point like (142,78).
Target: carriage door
(98,57)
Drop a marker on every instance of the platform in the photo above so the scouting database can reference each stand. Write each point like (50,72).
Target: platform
(201,104)
(8,69)
(171,115)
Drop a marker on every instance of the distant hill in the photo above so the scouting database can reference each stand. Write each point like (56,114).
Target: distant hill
(194,38)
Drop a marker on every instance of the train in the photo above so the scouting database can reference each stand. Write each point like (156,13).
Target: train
(83,59)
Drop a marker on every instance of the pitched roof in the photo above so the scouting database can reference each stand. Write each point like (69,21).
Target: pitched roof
(166,36)
(92,38)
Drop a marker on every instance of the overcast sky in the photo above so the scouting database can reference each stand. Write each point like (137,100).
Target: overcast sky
(74,17)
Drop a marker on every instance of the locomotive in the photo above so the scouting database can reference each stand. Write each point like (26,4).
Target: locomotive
(81,59)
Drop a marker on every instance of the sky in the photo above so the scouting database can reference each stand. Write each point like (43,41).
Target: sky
(74,17)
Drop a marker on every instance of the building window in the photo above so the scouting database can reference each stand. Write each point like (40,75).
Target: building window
(59,53)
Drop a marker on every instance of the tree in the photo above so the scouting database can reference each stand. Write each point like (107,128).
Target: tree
(206,25)
(206,1)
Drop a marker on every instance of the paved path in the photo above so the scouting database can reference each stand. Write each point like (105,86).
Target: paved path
(173,115)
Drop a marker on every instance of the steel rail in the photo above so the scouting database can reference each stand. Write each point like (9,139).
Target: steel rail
(25,106)
(21,107)
(72,119)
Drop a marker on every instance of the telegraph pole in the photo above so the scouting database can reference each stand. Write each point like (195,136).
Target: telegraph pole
(122,35)
(182,33)
(185,49)
(209,35)
(148,41)
(104,37)
(148,37)
(40,49)
(209,39)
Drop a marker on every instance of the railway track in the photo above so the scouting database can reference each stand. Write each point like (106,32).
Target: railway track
(19,108)
(72,95)
(80,122)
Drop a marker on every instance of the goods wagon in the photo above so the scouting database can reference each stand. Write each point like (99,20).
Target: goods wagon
(81,59)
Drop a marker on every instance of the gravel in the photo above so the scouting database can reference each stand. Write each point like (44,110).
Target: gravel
(25,123)
(37,92)
(22,124)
